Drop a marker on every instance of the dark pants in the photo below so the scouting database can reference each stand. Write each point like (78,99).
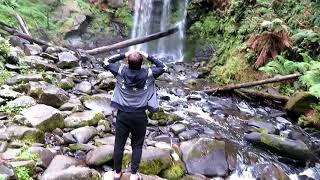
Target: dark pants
(134,123)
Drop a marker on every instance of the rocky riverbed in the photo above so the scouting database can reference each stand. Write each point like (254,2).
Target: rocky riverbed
(57,122)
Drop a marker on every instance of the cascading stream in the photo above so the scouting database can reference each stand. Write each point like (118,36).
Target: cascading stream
(159,15)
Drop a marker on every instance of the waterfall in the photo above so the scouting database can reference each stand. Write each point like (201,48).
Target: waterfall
(153,16)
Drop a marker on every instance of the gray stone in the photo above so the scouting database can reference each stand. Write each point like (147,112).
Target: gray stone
(44,117)
(24,78)
(11,154)
(32,49)
(177,128)
(22,132)
(162,138)
(66,84)
(84,87)
(159,158)
(271,129)
(73,105)
(187,135)
(67,60)
(23,101)
(9,94)
(84,134)
(268,171)
(45,155)
(68,138)
(82,72)
(105,141)
(81,147)
(40,63)
(99,102)
(3,146)
(205,156)
(48,94)
(72,172)
(295,149)
(7,171)
(30,164)
(58,164)
(86,118)
(100,155)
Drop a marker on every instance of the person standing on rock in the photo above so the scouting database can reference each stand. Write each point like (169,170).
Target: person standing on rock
(135,92)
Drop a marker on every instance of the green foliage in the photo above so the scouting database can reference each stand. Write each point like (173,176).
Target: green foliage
(309,68)
(11,110)
(125,17)
(24,173)
(307,41)
(4,50)
(2,177)
(25,155)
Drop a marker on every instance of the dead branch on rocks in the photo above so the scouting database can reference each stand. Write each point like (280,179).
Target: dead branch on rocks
(264,95)
(251,84)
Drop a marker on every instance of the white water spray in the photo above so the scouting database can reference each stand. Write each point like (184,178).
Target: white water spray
(153,16)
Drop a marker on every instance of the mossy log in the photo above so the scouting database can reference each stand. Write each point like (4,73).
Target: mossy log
(231,87)
(264,95)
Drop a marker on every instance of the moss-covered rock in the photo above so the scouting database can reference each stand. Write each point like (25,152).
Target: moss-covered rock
(175,172)
(44,117)
(154,160)
(86,118)
(295,149)
(300,104)
(100,155)
(66,84)
(98,102)
(163,117)
(27,134)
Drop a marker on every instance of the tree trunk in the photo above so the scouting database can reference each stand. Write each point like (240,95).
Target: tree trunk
(251,84)
(22,25)
(264,95)
(131,42)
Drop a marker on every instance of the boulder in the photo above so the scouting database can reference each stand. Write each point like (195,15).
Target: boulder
(44,117)
(84,134)
(68,138)
(32,49)
(84,87)
(163,118)
(73,105)
(187,135)
(205,156)
(177,128)
(300,103)
(9,94)
(105,141)
(67,60)
(45,155)
(100,155)
(40,63)
(86,118)
(7,171)
(81,147)
(99,102)
(23,101)
(10,154)
(268,171)
(295,149)
(154,160)
(268,127)
(24,78)
(66,84)
(78,173)
(17,41)
(21,132)
(48,94)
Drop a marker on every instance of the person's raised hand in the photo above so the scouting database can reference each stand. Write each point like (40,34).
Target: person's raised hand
(144,54)
(127,54)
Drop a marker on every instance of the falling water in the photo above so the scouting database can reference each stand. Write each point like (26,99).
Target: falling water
(152,16)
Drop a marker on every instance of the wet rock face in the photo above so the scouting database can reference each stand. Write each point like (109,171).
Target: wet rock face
(295,149)
(205,156)
(269,171)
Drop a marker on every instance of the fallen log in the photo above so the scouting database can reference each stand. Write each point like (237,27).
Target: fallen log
(259,94)
(15,32)
(22,24)
(132,42)
(251,84)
